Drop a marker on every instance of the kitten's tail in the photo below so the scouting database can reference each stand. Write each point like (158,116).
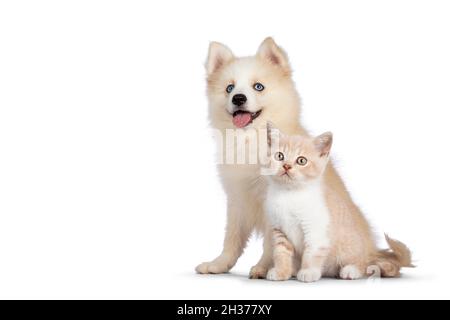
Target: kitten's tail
(391,260)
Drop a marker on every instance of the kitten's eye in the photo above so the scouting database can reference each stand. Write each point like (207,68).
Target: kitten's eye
(258,86)
(230,88)
(279,156)
(302,161)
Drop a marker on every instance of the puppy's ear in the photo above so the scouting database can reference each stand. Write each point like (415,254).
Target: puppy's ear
(270,51)
(218,55)
(323,143)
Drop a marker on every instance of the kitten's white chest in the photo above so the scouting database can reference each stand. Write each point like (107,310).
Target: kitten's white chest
(301,214)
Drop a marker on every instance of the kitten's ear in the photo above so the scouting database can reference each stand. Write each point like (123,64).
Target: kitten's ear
(271,52)
(273,134)
(269,133)
(323,143)
(218,55)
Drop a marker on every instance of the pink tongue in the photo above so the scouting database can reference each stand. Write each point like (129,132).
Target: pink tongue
(240,120)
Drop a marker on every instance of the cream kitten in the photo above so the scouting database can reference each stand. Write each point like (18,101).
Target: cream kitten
(314,230)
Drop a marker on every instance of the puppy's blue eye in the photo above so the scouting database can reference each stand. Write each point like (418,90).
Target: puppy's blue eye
(230,88)
(258,86)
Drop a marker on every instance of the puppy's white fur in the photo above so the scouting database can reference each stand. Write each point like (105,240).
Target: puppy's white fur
(279,102)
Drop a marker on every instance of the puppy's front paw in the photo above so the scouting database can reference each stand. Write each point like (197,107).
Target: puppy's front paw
(309,275)
(214,267)
(258,272)
(277,275)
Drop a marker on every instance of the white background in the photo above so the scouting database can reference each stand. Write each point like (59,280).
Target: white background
(107,181)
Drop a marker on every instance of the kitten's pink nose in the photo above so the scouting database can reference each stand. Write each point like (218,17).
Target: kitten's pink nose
(287,166)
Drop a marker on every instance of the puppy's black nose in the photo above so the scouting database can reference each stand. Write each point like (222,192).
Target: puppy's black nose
(239,99)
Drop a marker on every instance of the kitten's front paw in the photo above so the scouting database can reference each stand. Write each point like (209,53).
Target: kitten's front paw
(309,275)
(258,272)
(276,275)
(350,272)
(214,267)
